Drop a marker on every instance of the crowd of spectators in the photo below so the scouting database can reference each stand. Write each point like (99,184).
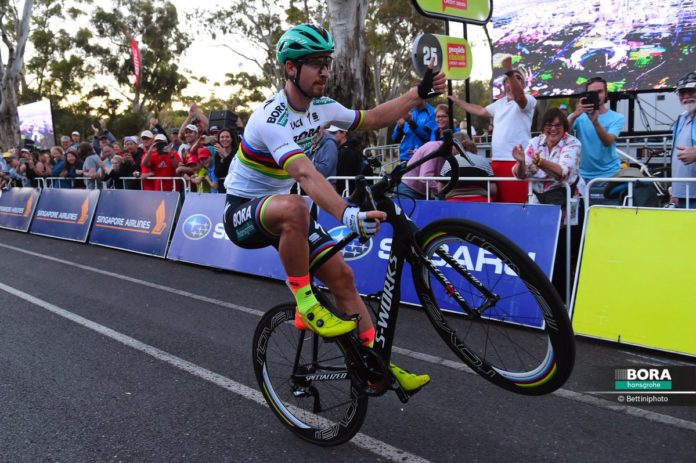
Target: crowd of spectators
(155,159)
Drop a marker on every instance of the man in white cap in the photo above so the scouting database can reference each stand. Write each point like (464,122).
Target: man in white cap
(75,138)
(190,137)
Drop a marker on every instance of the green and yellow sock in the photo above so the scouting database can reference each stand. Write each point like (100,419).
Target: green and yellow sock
(302,290)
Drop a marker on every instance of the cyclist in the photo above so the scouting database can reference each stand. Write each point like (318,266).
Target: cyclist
(259,210)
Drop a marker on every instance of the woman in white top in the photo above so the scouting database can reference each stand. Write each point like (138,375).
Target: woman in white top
(553,155)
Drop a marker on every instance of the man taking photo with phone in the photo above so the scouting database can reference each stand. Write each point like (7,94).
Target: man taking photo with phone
(597,127)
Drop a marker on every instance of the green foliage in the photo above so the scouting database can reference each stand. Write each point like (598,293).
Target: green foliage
(155,25)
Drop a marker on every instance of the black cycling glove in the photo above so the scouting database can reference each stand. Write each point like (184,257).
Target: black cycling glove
(425,88)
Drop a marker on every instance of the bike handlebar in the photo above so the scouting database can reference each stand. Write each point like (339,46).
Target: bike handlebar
(367,197)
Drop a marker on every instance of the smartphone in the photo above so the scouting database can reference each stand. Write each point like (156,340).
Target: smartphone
(591,98)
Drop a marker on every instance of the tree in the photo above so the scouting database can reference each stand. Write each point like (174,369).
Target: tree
(56,69)
(155,25)
(349,75)
(14,32)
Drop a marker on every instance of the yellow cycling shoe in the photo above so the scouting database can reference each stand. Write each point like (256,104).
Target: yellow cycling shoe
(409,382)
(325,323)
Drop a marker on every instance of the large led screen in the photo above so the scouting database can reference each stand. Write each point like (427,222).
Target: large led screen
(633,44)
(36,123)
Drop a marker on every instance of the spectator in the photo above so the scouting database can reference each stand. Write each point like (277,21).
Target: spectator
(204,177)
(190,138)
(90,165)
(44,166)
(113,173)
(58,165)
(471,164)
(442,120)
(684,143)
(196,118)
(564,109)
(351,161)
(418,189)
(147,138)
(16,172)
(156,128)
(553,155)
(105,158)
(597,128)
(4,171)
(72,169)
(65,143)
(512,116)
(102,136)
(325,157)
(175,140)
(226,150)
(130,167)
(414,130)
(163,161)
(75,139)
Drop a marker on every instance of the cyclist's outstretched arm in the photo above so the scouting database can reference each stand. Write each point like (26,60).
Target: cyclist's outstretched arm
(391,111)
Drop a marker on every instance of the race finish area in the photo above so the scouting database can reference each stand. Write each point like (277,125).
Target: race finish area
(112,356)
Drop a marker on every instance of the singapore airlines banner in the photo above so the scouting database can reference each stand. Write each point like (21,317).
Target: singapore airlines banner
(138,221)
(64,213)
(17,207)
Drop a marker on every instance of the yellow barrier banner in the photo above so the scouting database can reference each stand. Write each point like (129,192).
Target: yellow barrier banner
(637,278)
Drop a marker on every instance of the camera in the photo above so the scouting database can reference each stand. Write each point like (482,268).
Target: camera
(591,98)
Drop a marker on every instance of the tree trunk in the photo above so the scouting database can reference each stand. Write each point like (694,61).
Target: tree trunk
(10,75)
(349,77)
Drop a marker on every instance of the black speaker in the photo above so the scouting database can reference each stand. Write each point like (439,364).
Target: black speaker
(223,119)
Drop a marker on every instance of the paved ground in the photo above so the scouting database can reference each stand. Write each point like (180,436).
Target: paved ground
(111,356)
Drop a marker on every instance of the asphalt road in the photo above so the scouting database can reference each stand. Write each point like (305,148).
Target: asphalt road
(112,356)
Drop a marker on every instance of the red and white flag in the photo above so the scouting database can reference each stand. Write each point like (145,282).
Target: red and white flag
(137,62)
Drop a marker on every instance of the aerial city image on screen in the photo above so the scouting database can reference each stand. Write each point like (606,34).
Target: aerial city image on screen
(634,44)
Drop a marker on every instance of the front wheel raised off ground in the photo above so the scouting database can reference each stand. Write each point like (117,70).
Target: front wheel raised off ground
(516,332)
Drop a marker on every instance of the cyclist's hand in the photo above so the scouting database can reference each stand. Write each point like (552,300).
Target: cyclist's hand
(432,84)
(365,224)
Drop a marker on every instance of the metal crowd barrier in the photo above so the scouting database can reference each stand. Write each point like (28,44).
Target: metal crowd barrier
(628,200)
(58,182)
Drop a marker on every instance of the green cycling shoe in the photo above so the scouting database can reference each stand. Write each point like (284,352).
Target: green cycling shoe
(409,382)
(324,322)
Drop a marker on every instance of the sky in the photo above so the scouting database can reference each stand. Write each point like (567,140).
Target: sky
(211,59)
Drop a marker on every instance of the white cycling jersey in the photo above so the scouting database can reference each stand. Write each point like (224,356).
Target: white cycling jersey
(277,134)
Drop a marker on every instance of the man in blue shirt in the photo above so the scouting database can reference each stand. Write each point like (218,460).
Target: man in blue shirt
(416,129)
(597,130)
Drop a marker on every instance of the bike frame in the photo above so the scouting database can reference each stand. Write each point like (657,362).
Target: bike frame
(405,248)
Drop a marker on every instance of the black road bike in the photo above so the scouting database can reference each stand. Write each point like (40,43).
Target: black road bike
(485,297)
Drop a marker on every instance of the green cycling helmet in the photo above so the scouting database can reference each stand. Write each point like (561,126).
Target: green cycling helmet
(302,40)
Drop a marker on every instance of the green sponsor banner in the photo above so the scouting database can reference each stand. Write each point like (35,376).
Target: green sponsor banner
(643,385)
(468,11)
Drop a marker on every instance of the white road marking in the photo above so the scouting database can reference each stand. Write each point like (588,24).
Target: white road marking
(379,448)
(564,393)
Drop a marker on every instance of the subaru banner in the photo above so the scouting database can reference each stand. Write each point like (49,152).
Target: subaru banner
(138,221)
(200,238)
(534,228)
(17,208)
(65,213)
